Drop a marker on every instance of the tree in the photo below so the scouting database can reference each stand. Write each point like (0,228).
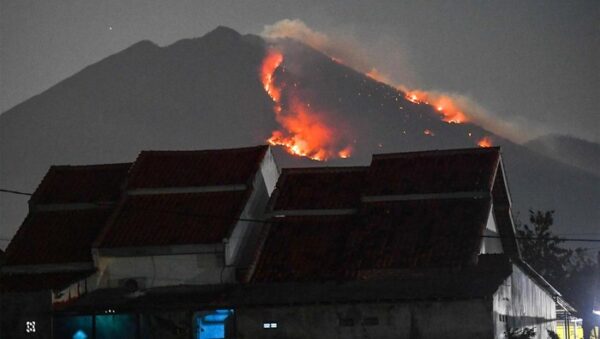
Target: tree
(570,270)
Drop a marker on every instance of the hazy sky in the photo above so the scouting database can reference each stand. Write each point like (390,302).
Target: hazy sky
(532,62)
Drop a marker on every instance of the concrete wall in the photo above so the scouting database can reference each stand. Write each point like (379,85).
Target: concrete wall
(161,270)
(520,302)
(18,308)
(242,243)
(491,245)
(193,264)
(450,319)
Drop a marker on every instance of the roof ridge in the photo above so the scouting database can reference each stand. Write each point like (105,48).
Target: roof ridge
(436,152)
(202,151)
(295,170)
(90,166)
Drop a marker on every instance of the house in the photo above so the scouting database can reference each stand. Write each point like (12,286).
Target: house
(171,218)
(417,245)
(218,244)
(51,249)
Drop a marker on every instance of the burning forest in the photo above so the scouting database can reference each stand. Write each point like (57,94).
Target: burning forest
(316,131)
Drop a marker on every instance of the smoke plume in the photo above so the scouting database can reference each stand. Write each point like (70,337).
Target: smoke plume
(348,51)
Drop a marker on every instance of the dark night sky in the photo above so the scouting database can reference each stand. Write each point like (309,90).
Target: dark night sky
(534,62)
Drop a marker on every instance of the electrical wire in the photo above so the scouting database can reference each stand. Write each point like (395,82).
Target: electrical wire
(275,221)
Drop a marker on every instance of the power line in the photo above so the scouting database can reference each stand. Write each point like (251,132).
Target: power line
(274,221)
(15,192)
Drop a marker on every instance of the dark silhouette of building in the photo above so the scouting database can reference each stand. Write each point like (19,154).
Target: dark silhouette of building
(218,244)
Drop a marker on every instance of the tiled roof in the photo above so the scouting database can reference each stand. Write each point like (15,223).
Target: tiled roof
(41,281)
(160,169)
(428,172)
(319,188)
(64,234)
(55,237)
(81,184)
(385,235)
(308,248)
(423,233)
(174,219)
(412,224)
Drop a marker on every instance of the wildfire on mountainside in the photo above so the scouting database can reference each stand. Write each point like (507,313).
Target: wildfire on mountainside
(443,104)
(305,132)
(309,131)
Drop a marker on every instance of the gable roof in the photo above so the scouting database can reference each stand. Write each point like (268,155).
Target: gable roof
(161,169)
(81,184)
(416,234)
(56,237)
(68,210)
(444,171)
(183,197)
(174,219)
(419,210)
(319,188)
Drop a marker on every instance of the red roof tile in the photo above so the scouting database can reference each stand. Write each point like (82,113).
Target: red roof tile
(432,172)
(308,248)
(174,219)
(385,235)
(423,233)
(55,237)
(159,169)
(319,188)
(81,184)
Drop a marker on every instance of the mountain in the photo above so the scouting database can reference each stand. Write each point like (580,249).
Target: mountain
(569,150)
(207,93)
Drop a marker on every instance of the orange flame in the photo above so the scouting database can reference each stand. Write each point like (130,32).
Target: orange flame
(304,133)
(485,142)
(308,135)
(271,62)
(428,132)
(443,104)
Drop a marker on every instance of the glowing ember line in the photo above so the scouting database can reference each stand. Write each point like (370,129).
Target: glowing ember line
(271,62)
(304,132)
(443,104)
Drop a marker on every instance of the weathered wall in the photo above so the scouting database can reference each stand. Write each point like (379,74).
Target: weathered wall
(18,308)
(162,270)
(491,245)
(449,319)
(520,302)
(243,241)
(194,264)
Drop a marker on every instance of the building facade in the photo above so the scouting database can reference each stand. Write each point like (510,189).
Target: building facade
(219,244)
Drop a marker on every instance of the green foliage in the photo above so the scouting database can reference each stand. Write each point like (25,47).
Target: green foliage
(525,333)
(541,249)
(571,271)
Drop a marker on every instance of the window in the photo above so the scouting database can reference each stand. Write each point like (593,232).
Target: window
(212,325)
(270,325)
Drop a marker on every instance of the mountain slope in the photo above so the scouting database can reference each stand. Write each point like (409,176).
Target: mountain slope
(569,150)
(206,93)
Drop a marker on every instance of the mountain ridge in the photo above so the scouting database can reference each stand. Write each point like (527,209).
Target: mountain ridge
(570,150)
